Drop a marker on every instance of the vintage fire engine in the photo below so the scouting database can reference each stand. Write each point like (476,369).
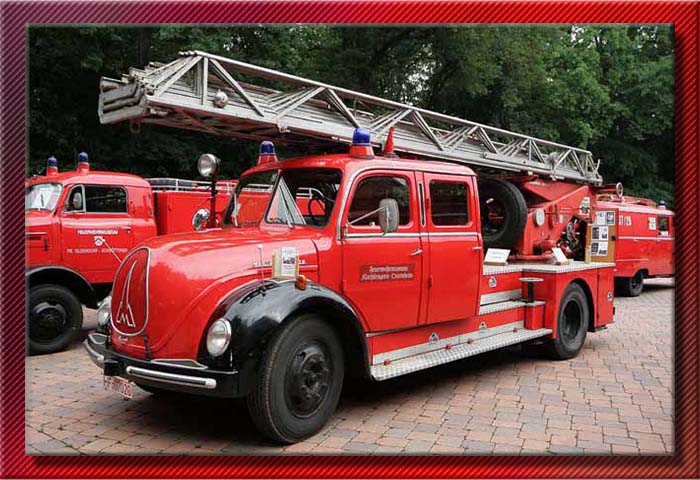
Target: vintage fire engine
(644,247)
(342,264)
(81,224)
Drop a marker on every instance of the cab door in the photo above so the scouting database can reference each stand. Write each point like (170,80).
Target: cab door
(96,230)
(456,257)
(382,273)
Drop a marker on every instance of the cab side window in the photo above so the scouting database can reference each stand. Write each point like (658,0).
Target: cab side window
(373,189)
(448,203)
(662,223)
(105,199)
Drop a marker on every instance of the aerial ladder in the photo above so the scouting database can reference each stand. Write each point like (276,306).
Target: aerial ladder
(222,96)
(541,197)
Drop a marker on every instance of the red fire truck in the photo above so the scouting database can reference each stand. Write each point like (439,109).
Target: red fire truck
(379,274)
(645,239)
(81,224)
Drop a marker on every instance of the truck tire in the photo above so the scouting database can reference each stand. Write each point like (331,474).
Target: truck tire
(54,320)
(572,324)
(630,286)
(300,381)
(503,213)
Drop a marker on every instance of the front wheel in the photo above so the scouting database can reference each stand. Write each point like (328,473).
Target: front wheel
(572,324)
(300,381)
(55,318)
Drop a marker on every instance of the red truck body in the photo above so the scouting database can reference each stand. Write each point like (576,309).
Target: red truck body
(644,247)
(380,292)
(79,226)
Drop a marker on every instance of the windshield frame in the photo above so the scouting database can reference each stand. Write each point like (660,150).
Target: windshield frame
(228,220)
(30,187)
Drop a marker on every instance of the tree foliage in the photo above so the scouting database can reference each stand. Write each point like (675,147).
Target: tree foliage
(605,88)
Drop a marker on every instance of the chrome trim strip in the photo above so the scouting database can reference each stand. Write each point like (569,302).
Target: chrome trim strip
(450,234)
(413,350)
(621,237)
(503,296)
(171,378)
(508,305)
(97,358)
(175,362)
(411,234)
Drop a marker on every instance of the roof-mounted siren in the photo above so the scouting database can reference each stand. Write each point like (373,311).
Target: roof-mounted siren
(267,153)
(83,164)
(389,145)
(52,166)
(662,204)
(361,144)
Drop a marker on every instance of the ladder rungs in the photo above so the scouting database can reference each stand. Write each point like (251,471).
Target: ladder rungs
(201,91)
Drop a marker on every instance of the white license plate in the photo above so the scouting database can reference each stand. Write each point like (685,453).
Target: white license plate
(117,384)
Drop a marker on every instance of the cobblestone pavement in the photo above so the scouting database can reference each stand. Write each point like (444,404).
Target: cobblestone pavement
(616,397)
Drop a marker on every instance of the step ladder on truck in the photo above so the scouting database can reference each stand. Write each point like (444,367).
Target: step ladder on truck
(356,263)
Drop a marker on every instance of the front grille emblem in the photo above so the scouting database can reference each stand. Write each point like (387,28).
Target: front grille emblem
(125,315)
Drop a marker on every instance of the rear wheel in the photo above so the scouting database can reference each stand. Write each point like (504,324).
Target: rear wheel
(630,286)
(503,213)
(55,318)
(572,324)
(300,382)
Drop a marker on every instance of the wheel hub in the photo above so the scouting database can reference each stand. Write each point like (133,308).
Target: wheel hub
(571,321)
(47,322)
(307,380)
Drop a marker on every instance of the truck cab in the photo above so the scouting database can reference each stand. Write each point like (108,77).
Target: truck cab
(330,266)
(79,226)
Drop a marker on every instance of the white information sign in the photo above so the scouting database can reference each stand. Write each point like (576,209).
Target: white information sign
(559,257)
(600,218)
(652,223)
(497,256)
(285,262)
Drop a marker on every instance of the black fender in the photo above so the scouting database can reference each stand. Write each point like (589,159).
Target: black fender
(261,310)
(66,277)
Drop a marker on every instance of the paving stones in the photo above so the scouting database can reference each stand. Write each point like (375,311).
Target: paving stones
(616,397)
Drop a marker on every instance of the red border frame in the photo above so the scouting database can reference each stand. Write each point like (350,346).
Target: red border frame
(16,15)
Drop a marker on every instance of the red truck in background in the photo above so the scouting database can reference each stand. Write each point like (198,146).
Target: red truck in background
(644,244)
(79,226)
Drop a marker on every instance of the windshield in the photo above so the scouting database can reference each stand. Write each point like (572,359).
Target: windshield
(42,196)
(295,196)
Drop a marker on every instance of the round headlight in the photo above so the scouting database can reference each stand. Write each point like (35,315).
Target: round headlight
(208,165)
(104,312)
(218,337)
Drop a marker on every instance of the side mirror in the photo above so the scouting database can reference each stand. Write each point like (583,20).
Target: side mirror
(200,219)
(388,215)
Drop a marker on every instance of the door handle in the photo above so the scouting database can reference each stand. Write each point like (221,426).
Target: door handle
(477,248)
(128,229)
(416,252)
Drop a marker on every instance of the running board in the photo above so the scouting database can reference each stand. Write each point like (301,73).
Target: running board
(457,352)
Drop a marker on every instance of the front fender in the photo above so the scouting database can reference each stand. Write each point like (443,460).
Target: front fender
(259,311)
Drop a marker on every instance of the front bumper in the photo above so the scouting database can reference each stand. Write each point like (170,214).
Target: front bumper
(186,376)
